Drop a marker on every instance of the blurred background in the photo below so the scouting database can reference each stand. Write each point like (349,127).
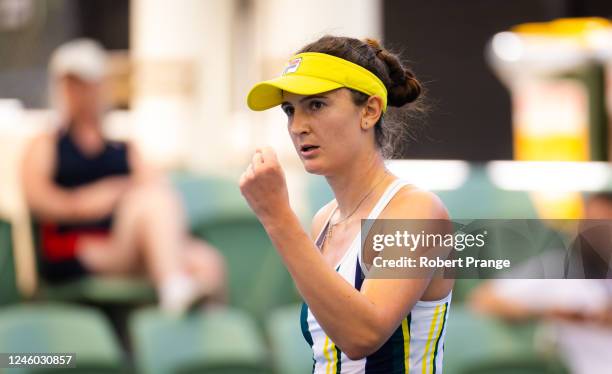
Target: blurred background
(519,97)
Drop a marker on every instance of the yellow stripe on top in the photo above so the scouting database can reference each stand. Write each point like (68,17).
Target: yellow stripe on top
(326,354)
(440,324)
(332,360)
(434,322)
(406,332)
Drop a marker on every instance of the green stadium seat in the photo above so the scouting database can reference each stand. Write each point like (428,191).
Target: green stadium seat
(470,338)
(527,364)
(474,338)
(290,352)
(463,288)
(8,282)
(208,198)
(258,281)
(213,341)
(62,329)
(103,290)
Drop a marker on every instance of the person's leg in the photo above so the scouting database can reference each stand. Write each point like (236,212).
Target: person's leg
(207,266)
(150,226)
(151,220)
(122,252)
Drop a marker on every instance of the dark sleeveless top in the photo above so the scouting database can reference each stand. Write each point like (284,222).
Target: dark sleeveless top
(74,169)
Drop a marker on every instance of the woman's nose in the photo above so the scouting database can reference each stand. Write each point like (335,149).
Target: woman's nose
(299,124)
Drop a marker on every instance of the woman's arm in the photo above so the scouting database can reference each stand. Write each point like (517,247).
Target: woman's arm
(359,322)
(54,203)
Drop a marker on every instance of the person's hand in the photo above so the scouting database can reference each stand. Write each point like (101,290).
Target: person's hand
(264,187)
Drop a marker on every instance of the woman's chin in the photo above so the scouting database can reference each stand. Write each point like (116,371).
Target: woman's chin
(312,167)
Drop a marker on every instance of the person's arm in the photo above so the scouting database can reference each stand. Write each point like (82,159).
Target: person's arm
(486,300)
(358,322)
(51,202)
(518,300)
(140,169)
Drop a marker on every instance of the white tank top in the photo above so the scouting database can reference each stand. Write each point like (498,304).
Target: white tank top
(416,346)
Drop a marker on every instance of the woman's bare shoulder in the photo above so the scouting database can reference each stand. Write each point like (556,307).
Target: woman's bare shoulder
(414,202)
(43,139)
(40,146)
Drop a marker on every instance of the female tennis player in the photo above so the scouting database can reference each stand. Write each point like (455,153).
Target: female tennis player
(335,93)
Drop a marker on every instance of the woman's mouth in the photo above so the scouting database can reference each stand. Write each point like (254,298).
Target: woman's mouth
(308,150)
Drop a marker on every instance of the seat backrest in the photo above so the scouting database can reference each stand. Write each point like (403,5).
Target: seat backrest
(8,282)
(258,281)
(290,352)
(60,328)
(212,341)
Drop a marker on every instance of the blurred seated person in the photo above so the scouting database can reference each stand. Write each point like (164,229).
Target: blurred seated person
(99,209)
(579,309)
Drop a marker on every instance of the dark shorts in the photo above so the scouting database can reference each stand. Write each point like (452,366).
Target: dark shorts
(62,271)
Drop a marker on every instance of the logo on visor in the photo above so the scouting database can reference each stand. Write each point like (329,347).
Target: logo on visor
(292,66)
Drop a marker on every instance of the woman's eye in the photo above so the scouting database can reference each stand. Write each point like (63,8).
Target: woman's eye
(316,105)
(288,110)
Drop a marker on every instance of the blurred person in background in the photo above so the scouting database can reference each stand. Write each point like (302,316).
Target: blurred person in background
(579,309)
(335,93)
(100,209)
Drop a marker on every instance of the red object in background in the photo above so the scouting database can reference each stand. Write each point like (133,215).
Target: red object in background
(59,246)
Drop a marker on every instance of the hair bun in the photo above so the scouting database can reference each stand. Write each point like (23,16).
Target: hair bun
(402,85)
(405,90)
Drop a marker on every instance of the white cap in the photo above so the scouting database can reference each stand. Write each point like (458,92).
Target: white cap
(84,58)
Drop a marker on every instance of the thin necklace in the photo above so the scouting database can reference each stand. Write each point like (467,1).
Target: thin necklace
(330,225)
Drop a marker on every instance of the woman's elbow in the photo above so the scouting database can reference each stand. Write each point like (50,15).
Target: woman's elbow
(363,346)
(359,352)
(356,354)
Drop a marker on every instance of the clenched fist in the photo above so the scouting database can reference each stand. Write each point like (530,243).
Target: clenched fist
(264,187)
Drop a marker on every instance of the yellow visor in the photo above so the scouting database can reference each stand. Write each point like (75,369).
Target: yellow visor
(313,73)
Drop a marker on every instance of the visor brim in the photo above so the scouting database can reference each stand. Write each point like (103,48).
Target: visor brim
(268,94)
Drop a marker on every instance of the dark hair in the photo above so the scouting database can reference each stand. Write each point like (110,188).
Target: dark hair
(393,133)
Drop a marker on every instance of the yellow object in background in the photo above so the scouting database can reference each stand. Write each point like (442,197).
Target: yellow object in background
(558,205)
(578,28)
(557,148)
(555,74)
(551,121)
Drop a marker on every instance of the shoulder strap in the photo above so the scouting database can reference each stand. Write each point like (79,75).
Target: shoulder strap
(323,231)
(380,206)
(384,200)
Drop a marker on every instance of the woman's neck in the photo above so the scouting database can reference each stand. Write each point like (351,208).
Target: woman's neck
(354,183)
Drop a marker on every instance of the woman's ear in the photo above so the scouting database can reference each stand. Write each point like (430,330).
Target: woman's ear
(372,111)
